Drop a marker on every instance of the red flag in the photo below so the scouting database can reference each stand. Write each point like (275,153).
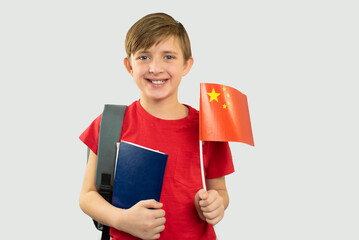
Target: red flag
(224,115)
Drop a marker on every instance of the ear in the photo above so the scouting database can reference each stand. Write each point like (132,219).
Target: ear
(187,66)
(128,66)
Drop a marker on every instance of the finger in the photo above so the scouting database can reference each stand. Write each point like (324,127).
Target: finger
(156,225)
(156,236)
(208,202)
(212,214)
(198,207)
(204,204)
(156,232)
(158,213)
(159,222)
(210,208)
(150,204)
(159,229)
(214,221)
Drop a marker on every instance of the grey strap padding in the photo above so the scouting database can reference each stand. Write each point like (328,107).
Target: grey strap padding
(110,132)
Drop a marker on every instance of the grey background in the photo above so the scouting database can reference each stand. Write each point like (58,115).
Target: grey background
(297,61)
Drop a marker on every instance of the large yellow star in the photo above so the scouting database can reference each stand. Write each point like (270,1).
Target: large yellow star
(213,95)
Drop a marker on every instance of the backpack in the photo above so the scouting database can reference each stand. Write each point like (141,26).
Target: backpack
(110,132)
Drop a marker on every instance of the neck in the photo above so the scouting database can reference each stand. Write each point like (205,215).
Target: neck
(164,109)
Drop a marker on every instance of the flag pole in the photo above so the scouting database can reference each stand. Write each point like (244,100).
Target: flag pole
(202,168)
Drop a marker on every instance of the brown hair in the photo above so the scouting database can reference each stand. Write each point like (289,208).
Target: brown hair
(152,29)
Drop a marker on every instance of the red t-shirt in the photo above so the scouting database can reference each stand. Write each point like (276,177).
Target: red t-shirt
(180,140)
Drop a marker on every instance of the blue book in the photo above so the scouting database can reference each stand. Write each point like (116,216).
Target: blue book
(139,174)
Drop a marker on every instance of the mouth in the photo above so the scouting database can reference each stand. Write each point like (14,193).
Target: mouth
(157,82)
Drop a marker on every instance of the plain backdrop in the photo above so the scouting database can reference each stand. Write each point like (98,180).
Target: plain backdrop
(297,62)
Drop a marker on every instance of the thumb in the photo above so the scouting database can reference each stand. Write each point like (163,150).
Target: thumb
(151,203)
(203,195)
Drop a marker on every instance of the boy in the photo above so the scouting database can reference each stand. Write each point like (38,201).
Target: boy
(158,56)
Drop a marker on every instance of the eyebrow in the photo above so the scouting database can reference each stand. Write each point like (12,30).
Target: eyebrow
(165,52)
(142,52)
(170,52)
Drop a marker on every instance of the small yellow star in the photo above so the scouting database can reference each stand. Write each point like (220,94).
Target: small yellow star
(224,106)
(228,95)
(224,89)
(229,103)
(213,95)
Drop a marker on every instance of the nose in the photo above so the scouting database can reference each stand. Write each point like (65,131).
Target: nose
(156,66)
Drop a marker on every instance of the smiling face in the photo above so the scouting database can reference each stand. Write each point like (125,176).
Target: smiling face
(159,69)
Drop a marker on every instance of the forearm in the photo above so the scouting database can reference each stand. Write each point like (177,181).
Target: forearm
(94,205)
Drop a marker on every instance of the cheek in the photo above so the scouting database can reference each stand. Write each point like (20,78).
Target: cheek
(175,71)
(138,71)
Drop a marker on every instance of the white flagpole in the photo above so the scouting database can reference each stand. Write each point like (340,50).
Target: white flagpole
(202,168)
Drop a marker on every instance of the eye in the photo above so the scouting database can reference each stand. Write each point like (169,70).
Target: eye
(169,57)
(143,57)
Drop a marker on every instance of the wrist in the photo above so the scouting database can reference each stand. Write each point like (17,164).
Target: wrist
(224,198)
(118,219)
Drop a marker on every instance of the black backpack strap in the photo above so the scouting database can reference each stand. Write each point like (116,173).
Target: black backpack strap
(110,132)
(105,233)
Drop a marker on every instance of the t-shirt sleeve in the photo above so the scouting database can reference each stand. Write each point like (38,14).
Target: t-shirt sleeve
(220,159)
(91,134)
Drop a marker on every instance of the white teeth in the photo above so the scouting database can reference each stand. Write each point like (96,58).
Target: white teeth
(158,82)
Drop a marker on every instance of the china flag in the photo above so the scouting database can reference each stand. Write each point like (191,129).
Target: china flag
(224,115)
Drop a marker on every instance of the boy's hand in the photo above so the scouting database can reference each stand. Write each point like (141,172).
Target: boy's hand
(145,220)
(209,206)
